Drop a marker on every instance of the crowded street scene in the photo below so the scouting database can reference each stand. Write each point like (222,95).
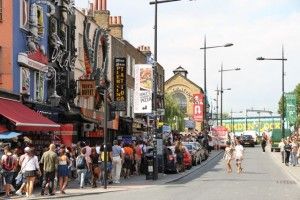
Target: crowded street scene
(151,99)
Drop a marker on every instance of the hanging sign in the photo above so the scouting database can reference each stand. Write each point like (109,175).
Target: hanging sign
(87,88)
(198,107)
(143,88)
(120,84)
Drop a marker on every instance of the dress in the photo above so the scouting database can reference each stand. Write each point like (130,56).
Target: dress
(63,166)
(228,153)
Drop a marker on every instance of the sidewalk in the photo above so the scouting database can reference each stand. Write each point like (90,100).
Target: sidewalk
(133,182)
(294,172)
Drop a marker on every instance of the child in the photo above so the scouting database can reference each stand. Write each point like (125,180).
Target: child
(228,156)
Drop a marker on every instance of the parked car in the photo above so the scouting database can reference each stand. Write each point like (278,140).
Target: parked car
(247,140)
(195,152)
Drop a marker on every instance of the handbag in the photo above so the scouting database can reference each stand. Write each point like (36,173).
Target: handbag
(19,177)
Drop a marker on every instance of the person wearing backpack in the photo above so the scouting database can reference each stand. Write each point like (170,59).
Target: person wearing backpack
(81,166)
(8,163)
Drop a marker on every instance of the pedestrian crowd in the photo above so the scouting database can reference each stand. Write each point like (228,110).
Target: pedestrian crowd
(290,151)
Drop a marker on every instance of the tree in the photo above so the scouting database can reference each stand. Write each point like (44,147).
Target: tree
(173,115)
(297,92)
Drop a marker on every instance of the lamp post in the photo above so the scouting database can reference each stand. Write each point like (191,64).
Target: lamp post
(282,59)
(224,70)
(155,163)
(205,89)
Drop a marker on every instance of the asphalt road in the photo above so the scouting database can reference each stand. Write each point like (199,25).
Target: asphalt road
(262,179)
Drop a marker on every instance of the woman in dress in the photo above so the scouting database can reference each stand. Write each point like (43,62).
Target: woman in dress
(95,167)
(63,173)
(228,155)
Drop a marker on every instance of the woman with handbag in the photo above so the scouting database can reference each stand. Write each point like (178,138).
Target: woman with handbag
(31,170)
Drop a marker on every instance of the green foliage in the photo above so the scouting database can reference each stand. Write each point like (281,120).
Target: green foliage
(173,114)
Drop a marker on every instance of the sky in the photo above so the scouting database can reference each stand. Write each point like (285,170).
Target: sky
(255,27)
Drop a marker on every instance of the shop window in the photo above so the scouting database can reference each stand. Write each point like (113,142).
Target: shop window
(182,101)
(1,12)
(39,86)
(25,81)
(24,14)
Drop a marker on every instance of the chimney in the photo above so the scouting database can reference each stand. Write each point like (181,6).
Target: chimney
(116,27)
(145,50)
(101,14)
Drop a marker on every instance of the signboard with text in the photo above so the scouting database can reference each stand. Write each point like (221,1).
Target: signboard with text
(198,107)
(87,88)
(120,84)
(291,109)
(143,88)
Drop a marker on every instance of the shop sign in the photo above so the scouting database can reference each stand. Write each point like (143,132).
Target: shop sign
(120,84)
(87,88)
(198,107)
(185,91)
(96,134)
(143,88)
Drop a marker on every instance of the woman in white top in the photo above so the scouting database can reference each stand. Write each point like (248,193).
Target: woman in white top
(228,155)
(239,153)
(31,169)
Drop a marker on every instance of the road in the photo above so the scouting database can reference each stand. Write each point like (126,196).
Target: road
(262,179)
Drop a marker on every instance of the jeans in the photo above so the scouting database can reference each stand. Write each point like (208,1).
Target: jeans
(116,168)
(48,177)
(81,176)
(294,158)
(287,157)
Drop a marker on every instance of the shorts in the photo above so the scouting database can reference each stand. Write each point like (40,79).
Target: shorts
(8,177)
(30,173)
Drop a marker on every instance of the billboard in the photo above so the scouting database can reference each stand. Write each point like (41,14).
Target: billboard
(143,88)
(198,107)
(120,84)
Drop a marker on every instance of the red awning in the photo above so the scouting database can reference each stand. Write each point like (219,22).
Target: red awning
(3,128)
(24,118)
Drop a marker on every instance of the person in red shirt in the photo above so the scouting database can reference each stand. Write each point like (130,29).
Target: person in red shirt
(128,159)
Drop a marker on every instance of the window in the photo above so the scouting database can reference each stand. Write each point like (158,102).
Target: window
(132,67)
(1,14)
(80,47)
(100,56)
(40,20)
(24,14)
(128,64)
(182,101)
(38,86)
(25,81)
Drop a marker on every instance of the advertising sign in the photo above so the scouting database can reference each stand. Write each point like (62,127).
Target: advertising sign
(143,88)
(291,111)
(87,88)
(120,84)
(198,107)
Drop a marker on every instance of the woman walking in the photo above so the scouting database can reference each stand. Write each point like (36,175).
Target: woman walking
(63,172)
(228,155)
(95,167)
(32,169)
(239,154)
(179,156)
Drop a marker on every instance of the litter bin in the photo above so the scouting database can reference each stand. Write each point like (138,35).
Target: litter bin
(150,168)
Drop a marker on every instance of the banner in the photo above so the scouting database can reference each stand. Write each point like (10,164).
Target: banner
(143,88)
(291,110)
(198,107)
(120,84)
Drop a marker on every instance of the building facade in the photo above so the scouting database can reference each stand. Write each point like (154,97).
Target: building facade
(185,92)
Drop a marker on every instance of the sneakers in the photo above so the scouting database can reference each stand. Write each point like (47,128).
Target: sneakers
(19,193)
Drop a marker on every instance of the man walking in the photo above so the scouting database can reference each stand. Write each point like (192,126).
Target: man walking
(116,156)
(50,164)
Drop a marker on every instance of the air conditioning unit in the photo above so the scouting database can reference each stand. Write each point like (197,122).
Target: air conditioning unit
(88,127)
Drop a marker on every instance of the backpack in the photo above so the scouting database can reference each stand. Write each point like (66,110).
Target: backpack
(8,163)
(80,162)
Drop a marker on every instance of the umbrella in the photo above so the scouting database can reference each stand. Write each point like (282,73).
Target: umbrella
(9,135)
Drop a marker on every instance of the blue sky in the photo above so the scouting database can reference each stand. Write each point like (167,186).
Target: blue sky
(256,27)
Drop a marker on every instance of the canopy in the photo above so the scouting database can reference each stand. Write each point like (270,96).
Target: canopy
(24,118)
(8,135)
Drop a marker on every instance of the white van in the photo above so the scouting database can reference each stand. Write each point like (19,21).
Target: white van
(254,134)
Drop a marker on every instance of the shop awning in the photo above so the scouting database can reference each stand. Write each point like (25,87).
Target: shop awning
(8,135)
(3,128)
(24,118)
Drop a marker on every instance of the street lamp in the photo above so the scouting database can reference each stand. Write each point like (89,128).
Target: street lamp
(282,59)
(217,102)
(222,90)
(205,91)
(155,163)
